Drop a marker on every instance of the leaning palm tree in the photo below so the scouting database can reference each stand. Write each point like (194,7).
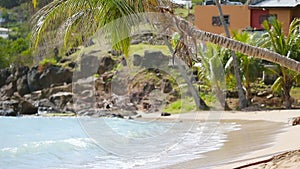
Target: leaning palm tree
(76,20)
(76,13)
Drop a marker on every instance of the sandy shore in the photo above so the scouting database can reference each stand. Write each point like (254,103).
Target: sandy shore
(249,145)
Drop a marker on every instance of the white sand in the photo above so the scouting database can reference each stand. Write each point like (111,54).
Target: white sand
(284,141)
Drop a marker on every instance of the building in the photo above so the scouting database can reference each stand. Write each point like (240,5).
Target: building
(241,17)
(236,16)
(284,10)
(4,32)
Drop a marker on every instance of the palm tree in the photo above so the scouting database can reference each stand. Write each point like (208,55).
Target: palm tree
(100,12)
(76,20)
(249,66)
(243,102)
(211,59)
(288,46)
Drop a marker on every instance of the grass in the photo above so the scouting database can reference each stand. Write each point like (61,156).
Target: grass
(181,106)
(140,49)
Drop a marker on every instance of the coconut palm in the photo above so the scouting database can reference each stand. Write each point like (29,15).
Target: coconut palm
(249,66)
(288,46)
(243,102)
(211,59)
(73,21)
(100,12)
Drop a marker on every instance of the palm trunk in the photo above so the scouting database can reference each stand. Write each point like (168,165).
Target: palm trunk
(181,25)
(243,102)
(200,103)
(287,97)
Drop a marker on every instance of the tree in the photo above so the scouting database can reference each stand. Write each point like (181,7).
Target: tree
(249,66)
(243,102)
(211,59)
(100,12)
(287,46)
(75,20)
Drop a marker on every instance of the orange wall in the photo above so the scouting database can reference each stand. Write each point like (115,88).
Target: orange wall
(284,16)
(239,17)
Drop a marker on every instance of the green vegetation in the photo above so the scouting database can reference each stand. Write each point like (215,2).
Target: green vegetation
(140,49)
(16,49)
(288,46)
(181,106)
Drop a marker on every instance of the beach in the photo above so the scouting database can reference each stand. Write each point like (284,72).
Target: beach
(270,132)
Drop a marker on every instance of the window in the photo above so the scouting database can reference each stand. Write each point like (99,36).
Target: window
(268,17)
(216,21)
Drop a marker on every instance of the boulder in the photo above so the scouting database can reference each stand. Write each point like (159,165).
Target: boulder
(22,85)
(27,108)
(21,71)
(137,60)
(51,75)
(55,75)
(9,108)
(8,90)
(8,112)
(61,99)
(88,66)
(153,59)
(106,64)
(4,74)
(33,79)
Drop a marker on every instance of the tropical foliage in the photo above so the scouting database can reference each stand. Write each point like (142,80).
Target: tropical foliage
(250,67)
(287,46)
(77,20)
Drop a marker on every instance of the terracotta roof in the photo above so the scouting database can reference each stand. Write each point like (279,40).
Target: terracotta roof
(276,3)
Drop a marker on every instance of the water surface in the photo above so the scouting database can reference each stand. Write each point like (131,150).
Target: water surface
(71,143)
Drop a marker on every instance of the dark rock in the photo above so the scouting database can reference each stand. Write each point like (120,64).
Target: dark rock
(33,78)
(8,90)
(21,71)
(27,108)
(61,99)
(55,75)
(165,114)
(153,59)
(88,66)
(4,74)
(22,85)
(106,64)
(8,112)
(117,116)
(146,105)
(137,60)
(166,86)
(9,108)
(295,121)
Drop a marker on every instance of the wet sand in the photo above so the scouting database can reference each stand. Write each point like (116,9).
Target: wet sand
(253,135)
(263,135)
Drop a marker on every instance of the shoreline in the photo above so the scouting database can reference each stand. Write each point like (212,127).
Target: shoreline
(283,139)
